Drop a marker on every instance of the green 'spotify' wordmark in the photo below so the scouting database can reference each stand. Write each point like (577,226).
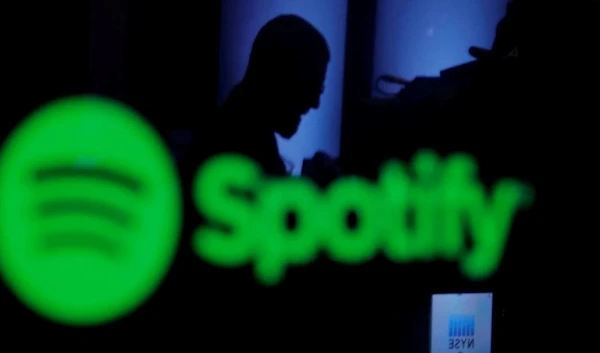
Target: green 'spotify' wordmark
(444,197)
(90,211)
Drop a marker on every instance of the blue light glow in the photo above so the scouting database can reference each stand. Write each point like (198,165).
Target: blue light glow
(241,21)
(422,37)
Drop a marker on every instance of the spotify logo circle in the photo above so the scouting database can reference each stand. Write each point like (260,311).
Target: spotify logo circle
(90,211)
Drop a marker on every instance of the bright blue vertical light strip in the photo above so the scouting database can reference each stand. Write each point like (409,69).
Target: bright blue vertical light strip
(467,326)
(423,37)
(472,326)
(241,21)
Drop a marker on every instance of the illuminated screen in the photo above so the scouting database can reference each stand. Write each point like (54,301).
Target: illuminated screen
(461,323)
(423,37)
(241,21)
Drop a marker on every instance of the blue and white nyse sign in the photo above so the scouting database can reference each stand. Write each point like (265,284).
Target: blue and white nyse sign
(461,323)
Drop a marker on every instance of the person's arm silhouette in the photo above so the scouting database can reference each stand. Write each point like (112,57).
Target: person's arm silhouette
(321,168)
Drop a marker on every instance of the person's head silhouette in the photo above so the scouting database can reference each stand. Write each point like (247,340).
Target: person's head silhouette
(286,71)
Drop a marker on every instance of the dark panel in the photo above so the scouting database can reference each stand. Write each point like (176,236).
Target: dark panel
(359,59)
(45,55)
(172,60)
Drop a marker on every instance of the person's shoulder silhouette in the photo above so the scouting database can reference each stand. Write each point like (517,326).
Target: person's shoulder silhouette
(283,81)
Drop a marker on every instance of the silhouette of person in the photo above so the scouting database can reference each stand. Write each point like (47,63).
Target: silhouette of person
(283,81)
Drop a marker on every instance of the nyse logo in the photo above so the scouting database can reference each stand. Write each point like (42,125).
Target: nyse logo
(461,332)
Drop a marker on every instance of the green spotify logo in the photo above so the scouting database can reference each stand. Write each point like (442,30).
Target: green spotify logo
(91,211)
(447,203)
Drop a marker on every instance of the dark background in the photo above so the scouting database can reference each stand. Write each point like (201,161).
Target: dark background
(160,59)
(148,55)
